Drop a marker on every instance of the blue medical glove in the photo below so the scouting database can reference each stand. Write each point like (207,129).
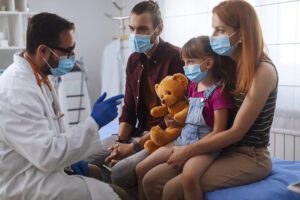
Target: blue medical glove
(81,168)
(104,111)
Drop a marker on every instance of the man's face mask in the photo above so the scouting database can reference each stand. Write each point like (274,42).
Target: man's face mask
(65,64)
(141,43)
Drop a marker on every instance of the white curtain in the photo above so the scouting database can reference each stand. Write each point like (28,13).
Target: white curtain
(280,21)
(114,62)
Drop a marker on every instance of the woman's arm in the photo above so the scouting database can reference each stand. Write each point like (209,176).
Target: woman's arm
(220,122)
(264,82)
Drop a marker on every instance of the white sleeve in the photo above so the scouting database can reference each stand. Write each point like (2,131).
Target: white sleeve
(27,131)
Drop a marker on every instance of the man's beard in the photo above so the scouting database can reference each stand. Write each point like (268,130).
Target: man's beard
(46,69)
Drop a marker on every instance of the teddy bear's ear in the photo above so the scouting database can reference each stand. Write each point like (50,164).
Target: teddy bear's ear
(182,79)
(156,87)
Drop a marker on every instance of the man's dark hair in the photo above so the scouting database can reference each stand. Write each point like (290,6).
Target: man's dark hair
(45,28)
(150,7)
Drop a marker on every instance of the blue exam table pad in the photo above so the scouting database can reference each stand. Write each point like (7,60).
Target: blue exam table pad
(273,187)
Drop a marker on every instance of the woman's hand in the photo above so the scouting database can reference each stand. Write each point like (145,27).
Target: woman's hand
(178,157)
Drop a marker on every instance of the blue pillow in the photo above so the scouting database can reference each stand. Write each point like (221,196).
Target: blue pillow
(273,187)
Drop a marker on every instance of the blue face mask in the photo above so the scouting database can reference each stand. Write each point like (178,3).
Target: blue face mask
(140,43)
(194,73)
(221,44)
(65,65)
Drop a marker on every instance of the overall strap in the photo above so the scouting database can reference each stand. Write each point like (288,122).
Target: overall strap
(209,91)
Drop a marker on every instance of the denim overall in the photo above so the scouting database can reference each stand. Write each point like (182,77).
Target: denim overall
(195,125)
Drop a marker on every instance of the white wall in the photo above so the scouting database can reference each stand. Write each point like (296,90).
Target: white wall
(93,30)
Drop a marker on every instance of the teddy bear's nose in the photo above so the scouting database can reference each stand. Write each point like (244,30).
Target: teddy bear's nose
(163,101)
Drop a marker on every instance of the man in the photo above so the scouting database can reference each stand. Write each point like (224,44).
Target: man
(152,60)
(34,146)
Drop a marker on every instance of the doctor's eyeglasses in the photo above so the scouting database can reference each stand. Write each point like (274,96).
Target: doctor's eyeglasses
(68,51)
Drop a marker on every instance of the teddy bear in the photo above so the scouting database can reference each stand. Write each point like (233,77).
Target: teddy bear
(171,91)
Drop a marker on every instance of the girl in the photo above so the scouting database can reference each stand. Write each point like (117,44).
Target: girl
(245,157)
(209,106)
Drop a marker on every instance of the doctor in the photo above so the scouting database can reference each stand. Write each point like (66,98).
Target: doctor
(34,146)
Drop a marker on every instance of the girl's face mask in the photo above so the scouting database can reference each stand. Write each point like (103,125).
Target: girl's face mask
(194,72)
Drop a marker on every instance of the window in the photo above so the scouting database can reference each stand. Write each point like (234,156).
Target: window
(280,22)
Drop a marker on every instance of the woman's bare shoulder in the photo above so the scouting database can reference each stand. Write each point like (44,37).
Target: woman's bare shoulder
(266,75)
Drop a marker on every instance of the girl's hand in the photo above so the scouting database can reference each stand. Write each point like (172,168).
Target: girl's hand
(178,157)
(170,122)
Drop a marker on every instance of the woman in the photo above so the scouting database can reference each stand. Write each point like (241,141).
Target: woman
(245,156)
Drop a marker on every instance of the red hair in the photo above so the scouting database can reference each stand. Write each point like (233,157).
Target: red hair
(242,17)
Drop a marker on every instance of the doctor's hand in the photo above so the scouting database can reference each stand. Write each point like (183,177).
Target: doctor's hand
(81,168)
(104,111)
(119,151)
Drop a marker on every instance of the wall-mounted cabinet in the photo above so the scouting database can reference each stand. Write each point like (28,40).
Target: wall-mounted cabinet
(14,5)
(14,15)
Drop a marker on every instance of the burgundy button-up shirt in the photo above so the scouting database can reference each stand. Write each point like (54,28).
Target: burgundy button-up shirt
(164,61)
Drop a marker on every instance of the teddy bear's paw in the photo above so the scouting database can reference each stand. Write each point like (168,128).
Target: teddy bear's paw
(150,146)
(159,137)
(155,129)
(155,112)
(179,118)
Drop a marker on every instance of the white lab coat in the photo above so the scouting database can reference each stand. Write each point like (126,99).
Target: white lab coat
(34,148)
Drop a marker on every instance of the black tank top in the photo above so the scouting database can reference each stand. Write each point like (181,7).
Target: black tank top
(259,133)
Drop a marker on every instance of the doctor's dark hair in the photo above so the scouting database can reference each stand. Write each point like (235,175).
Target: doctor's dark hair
(45,28)
(199,48)
(150,7)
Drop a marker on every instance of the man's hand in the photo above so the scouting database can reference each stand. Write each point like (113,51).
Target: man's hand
(143,139)
(119,151)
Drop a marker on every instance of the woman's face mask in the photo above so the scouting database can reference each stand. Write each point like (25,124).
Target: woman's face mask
(221,44)
(141,43)
(65,64)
